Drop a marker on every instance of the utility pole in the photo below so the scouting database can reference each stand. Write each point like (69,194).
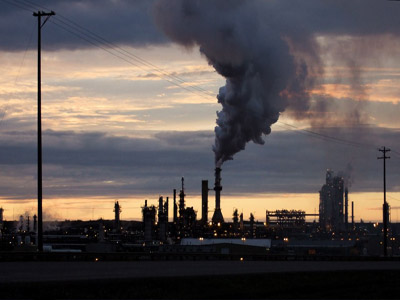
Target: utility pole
(39,15)
(385,205)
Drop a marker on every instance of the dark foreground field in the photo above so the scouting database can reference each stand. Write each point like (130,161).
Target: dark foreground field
(293,285)
(296,285)
(200,279)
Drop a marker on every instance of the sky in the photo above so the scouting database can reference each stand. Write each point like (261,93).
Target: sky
(137,94)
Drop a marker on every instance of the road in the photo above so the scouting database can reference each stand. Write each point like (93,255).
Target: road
(66,271)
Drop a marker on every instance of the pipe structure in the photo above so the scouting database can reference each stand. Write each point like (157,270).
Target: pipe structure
(346,208)
(217,188)
(34,223)
(204,202)
(217,217)
(175,213)
(182,199)
(166,208)
(160,205)
(117,211)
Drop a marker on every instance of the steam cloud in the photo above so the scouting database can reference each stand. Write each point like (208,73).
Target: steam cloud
(261,73)
(268,53)
(348,175)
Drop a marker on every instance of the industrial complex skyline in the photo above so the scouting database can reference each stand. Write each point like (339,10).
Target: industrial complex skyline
(126,120)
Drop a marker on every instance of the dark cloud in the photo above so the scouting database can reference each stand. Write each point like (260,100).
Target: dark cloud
(121,22)
(340,112)
(99,164)
(131,22)
(96,164)
(270,56)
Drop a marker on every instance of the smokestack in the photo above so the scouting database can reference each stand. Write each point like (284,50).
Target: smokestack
(28,224)
(182,198)
(235,221)
(346,208)
(352,215)
(217,188)
(162,220)
(117,210)
(160,206)
(21,223)
(34,223)
(175,208)
(241,223)
(217,217)
(166,208)
(204,202)
(252,231)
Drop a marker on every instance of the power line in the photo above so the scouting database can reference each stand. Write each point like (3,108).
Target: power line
(394,198)
(173,79)
(96,40)
(16,5)
(332,138)
(87,39)
(137,58)
(328,138)
(396,152)
(17,76)
(89,36)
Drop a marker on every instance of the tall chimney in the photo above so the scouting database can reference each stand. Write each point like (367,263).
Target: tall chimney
(204,202)
(346,208)
(166,208)
(182,199)
(34,223)
(235,221)
(352,215)
(217,217)
(28,225)
(162,220)
(175,208)
(117,210)
(160,206)
(241,223)
(217,188)
(252,231)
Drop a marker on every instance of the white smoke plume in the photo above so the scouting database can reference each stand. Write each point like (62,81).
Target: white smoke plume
(262,76)
(348,175)
(268,53)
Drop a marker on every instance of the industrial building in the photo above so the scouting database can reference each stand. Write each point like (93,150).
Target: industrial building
(284,232)
(331,203)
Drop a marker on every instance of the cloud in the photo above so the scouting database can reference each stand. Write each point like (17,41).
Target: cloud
(101,109)
(97,164)
(121,22)
(273,53)
(131,22)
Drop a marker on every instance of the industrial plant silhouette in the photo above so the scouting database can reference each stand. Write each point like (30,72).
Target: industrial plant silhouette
(283,233)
